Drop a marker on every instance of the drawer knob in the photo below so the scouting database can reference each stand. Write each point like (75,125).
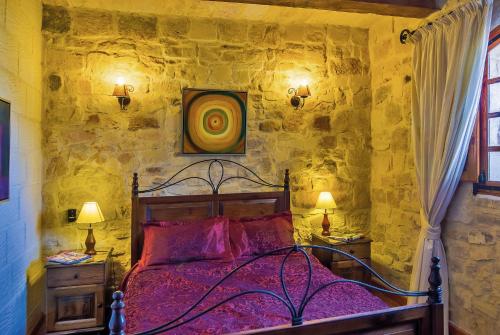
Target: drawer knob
(100,305)
(351,251)
(76,276)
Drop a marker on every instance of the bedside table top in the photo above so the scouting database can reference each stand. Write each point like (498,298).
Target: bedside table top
(100,257)
(331,241)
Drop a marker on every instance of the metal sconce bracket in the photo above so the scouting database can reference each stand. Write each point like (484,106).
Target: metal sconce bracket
(296,100)
(405,35)
(121,92)
(124,102)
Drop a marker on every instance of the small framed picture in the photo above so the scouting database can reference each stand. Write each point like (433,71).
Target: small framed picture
(214,122)
(4,149)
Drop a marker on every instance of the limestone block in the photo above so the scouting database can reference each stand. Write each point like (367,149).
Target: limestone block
(382,93)
(269,126)
(92,23)
(362,98)
(203,29)
(328,142)
(347,66)
(230,31)
(478,237)
(55,19)
(482,252)
(315,34)
(400,139)
(490,310)
(339,34)
(137,123)
(361,194)
(291,33)
(137,26)
(220,74)
(266,34)
(174,26)
(322,123)
(393,113)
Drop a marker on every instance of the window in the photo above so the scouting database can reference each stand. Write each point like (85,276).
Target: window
(483,163)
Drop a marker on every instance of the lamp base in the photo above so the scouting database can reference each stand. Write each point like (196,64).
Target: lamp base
(326,225)
(90,242)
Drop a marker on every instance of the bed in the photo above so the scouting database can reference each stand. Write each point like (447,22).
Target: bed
(279,291)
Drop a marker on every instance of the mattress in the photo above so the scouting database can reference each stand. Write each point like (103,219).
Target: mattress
(157,294)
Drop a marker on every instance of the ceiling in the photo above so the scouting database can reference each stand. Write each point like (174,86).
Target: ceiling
(405,8)
(200,8)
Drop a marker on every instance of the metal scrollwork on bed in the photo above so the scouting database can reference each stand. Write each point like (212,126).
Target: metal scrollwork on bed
(117,323)
(434,294)
(214,184)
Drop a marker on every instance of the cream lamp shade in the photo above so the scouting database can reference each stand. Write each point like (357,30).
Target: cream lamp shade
(90,213)
(325,201)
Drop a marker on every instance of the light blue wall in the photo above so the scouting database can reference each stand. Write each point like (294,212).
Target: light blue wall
(20,83)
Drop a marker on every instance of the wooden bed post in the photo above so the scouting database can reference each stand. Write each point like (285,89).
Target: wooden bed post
(134,247)
(286,189)
(117,320)
(436,298)
(435,281)
(287,180)
(135,185)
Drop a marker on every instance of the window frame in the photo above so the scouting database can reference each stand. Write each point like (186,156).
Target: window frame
(480,138)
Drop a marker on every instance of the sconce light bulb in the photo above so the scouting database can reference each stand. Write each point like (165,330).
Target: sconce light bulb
(304,82)
(120,81)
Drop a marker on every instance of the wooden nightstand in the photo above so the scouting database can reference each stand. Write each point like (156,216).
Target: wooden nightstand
(76,295)
(342,265)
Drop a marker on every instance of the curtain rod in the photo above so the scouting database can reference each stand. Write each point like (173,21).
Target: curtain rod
(407,33)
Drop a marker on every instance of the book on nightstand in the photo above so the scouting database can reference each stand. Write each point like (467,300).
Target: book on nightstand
(68,257)
(346,237)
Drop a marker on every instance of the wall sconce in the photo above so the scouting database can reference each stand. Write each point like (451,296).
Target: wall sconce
(299,95)
(121,92)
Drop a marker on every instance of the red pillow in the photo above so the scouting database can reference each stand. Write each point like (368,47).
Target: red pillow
(258,235)
(181,241)
(238,238)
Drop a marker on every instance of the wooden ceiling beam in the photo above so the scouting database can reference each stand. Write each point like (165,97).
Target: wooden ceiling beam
(405,8)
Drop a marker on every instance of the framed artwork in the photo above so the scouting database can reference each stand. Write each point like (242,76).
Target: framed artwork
(214,122)
(4,148)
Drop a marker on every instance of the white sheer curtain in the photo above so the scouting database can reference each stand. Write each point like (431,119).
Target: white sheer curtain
(448,63)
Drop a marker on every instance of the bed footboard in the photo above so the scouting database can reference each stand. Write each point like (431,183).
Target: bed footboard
(422,319)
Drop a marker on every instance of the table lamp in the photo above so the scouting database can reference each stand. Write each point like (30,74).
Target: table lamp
(90,213)
(325,201)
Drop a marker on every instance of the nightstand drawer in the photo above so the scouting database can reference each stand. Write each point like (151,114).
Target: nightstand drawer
(76,275)
(75,307)
(359,250)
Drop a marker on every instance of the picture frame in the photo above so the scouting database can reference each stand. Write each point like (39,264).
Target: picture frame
(214,122)
(4,148)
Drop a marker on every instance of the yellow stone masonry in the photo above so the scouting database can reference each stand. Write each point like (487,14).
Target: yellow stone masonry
(91,148)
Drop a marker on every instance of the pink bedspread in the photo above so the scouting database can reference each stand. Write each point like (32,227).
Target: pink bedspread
(158,294)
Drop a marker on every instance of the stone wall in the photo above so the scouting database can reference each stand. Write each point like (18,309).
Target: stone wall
(21,300)
(471,233)
(91,148)
(395,211)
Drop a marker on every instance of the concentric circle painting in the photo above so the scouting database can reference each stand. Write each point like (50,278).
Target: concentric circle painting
(214,122)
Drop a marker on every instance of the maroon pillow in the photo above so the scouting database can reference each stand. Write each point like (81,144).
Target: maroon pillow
(169,242)
(238,238)
(260,234)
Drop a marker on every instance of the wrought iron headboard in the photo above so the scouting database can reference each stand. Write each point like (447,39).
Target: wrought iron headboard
(214,184)
(152,207)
